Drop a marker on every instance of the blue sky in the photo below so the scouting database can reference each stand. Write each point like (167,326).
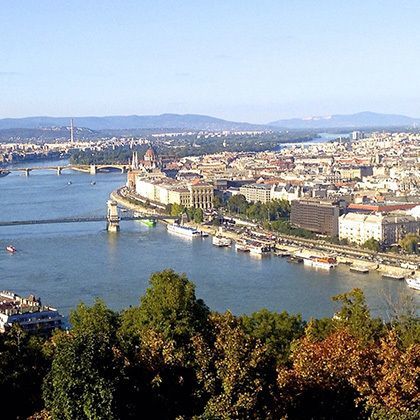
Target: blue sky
(254,61)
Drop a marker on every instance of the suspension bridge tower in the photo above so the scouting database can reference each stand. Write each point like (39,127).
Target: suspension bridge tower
(113,218)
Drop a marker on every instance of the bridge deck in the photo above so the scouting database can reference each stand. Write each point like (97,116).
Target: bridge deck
(80,220)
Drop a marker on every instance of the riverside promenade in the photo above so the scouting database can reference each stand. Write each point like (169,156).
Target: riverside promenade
(385,263)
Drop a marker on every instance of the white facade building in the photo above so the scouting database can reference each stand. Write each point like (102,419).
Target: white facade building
(386,229)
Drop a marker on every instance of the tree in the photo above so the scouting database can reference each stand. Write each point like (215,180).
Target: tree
(86,369)
(236,372)
(198,215)
(276,330)
(410,243)
(169,307)
(23,364)
(237,204)
(355,315)
(395,385)
(176,209)
(372,244)
(217,202)
(156,339)
(319,385)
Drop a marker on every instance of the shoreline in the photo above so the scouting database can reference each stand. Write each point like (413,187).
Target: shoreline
(303,247)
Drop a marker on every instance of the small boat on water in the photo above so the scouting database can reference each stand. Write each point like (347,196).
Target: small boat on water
(282,254)
(4,172)
(393,276)
(294,259)
(93,183)
(11,249)
(359,269)
(221,241)
(151,222)
(69,183)
(413,282)
(320,262)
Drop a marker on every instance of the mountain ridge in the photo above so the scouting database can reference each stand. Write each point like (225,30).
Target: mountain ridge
(122,122)
(363,119)
(360,120)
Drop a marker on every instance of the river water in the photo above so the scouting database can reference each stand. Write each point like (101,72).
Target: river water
(68,263)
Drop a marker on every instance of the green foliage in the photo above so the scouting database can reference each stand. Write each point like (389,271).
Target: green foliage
(171,358)
(276,330)
(23,365)
(410,243)
(236,372)
(86,370)
(319,329)
(355,315)
(169,307)
(372,244)
(176,209)
(198,216)
(284,227)
(273,210)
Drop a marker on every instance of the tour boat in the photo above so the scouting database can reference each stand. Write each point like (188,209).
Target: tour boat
(320,262)
(221,241)
(259,249)
(183,230)
(148,222)
(11,249)
(413,282)
(242,246)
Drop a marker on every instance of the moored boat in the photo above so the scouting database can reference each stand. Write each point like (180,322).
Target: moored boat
(242,246)
(320,262)
(393,276)
(282,254)
(4,172)
(359,269)
(151,222)
(221,241)
(183,230)
(413,282)
(259,249)
(295,259)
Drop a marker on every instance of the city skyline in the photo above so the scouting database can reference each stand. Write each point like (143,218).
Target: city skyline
(236,61)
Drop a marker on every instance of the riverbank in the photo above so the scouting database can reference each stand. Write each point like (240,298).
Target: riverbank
(345,256)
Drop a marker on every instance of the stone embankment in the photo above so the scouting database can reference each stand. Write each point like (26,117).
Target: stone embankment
(302,246)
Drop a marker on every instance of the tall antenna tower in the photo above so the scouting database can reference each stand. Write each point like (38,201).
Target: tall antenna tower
(71,131)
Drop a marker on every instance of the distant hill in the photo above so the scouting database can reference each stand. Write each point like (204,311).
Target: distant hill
(359,120)
(45,134)
(164,121)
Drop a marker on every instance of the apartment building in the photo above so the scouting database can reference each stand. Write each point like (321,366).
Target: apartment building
(319,216)
(387,229)
(256,193)
(169,191)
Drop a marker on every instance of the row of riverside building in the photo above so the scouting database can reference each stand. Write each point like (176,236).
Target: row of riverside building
(312,208)
(356,223)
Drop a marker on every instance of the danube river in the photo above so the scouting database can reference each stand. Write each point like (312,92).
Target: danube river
(69,263)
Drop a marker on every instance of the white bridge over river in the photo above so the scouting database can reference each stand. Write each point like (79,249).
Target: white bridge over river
(90,169)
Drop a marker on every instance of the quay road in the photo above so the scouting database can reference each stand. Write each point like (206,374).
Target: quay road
(344,250)
(79,220)
(127,199)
